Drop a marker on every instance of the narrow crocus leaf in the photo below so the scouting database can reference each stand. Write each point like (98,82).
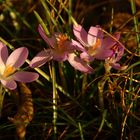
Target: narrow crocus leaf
(42,23)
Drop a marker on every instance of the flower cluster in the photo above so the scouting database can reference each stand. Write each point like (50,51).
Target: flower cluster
(61,49)
(88,46)
(97,46)
(79,53)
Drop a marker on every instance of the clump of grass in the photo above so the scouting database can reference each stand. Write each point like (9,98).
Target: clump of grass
(67,103)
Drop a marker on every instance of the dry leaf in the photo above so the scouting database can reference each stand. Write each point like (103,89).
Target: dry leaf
(120,19)
(25,111)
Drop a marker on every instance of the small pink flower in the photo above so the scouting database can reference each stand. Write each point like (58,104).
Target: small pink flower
(10,64)
(94,44)
(112,61)
(61,49)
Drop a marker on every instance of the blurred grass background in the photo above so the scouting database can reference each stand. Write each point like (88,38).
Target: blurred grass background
(79,114)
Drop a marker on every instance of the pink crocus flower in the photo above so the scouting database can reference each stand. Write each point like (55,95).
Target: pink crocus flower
(94,44)
(60,49)
(9,66)
(112,61)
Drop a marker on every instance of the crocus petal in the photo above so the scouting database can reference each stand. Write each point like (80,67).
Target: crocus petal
(10,84)
(92,35)
(117,35)
(80,34)
(3,53)
(49,40)
(86,57)
(103,54)
(78,46)
(120,52)
(79,64)
(41,58)
(17,57)
(117,66)
(60,56)
(25,76)
(109,42)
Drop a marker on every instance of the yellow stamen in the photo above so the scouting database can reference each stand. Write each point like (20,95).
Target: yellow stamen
(114,48)
(8,71)
(93,49)
(60,41)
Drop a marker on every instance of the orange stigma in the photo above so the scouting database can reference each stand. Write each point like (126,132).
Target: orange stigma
(60,41)
(92,50)
(8,71)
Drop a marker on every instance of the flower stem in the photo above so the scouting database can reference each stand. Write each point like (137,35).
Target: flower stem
(101,89)
(81,131)
(102,124)
(54,101)
(133,9)
(1,98)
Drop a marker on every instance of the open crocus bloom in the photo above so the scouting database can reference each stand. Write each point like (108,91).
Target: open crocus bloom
(111,62)
(61,49)
(9,66)
(94,43)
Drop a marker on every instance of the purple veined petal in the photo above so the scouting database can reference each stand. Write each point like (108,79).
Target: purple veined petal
(60,56)
(86,57)
(79,64)
(92,35)
(78,46)
(116,66)
(120,52)
(109,42)
(10,84)
(103,54)
(3,53)
(117,35)
(80,34)
(25,77)
(17,57)
(49,40)
(41,58)
(100,32)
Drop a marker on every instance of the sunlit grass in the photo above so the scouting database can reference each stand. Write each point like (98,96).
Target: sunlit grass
(69,104)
